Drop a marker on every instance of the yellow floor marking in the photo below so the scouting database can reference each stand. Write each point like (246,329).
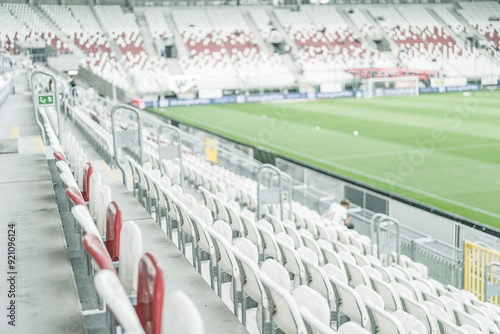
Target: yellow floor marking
(39,144)
(15,132)
(129,177)
(110,172)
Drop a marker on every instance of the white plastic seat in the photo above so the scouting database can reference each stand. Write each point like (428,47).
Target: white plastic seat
(247,256)
(330,255)
(311,243)
(421,312)
(286,314)
(251,232)
(448,327)
(383,321)
(410,323)
(351,327)
(291,230)
(203,243)
(130,255)
(180,315)
(356,274)
(314,310)
(83,218)
(102,205)
(317,278)
(391,298)
(351,303)
(270,247)
(221,234)
(477,321)
(291,259)
(110,289)
(277,224)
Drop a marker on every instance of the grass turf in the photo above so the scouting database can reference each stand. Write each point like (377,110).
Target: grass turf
(440,149)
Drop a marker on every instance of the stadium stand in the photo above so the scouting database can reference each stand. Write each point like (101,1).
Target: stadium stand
(186,244)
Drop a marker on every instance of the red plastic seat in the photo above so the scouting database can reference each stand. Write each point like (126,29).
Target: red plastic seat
(113,229)
(87,173)
(96,249)
(60,156)
(150,291)
(75,196)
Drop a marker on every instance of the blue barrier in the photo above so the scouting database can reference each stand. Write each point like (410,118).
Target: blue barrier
(260,98)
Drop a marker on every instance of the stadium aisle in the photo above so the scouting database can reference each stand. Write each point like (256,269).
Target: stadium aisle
(180,274)
(35,261)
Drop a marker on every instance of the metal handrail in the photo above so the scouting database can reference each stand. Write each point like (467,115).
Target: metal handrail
(116,142)
(35,103)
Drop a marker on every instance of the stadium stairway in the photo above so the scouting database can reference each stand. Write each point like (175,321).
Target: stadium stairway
(180,273)
(182,50)
(147,39)
(263,45)
(44,290)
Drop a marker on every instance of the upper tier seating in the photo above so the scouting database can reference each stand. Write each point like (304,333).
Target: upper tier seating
(221,43)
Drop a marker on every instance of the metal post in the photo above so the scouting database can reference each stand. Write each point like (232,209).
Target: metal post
(35,103)
(375,218)
(388,245)
(126,138)
(491,289)
(269,196)
(169,152)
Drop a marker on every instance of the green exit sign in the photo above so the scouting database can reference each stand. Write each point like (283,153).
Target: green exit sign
(44,100)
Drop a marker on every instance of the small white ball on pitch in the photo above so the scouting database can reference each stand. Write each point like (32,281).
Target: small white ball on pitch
(355,132)
(264,116)
(317,128)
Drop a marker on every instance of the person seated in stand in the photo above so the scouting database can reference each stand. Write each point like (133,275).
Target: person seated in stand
(337,213)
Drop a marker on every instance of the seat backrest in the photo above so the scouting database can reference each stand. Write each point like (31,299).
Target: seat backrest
(82,216)
(276,222)
(315,303)
(351,327)
(180,315)
(150,290)
(209,201)
(308,253)
(113,229)
(383,321)
(367,293)
(447,327)
(352,305)
(269,241)
(221,237)
(203,239)
(420,312)
(102,205)
(332,270)
(60,156)
(130,255)
(94,193)
(311,243)
(87,173)
(234,218)
(75,196)
(356,274)
(387,276)
(252,234)
(247,258)
(93,244)
(285,313)
(110,289)
(331,256)
(292,231)
(276,272)
(391,298)
(291,259)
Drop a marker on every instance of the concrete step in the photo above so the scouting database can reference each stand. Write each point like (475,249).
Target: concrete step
(263,45)
(148,42)
(380,31)
(286,38)
(173,66)
(182,50)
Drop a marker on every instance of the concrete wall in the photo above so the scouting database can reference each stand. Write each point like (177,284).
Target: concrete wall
(102,86)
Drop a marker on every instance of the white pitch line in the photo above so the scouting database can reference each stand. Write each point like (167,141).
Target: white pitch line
(391,153)
(355,171)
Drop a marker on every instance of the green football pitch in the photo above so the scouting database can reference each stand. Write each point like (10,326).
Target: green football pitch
(440,149)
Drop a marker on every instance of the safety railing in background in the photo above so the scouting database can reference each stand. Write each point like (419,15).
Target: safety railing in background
(476,261)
